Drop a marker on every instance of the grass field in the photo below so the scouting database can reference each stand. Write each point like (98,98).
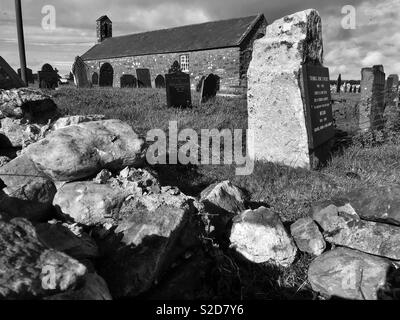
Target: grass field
(289,192)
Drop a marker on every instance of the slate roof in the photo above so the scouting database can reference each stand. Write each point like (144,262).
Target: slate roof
(209,35)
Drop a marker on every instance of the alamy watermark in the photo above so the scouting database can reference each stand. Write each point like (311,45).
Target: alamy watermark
(188,147)
(49,20)
(349,21)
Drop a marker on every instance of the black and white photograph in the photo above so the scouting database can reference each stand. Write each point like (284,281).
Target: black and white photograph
(190,157)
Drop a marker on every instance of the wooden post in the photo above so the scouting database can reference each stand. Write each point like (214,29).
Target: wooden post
(21,41)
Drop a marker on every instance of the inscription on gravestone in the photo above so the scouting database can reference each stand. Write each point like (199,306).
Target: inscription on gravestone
(177,84)
(317,98)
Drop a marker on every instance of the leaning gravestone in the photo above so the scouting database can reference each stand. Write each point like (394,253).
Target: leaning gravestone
(177,84)
(209,88)
(372,104)
(289,102)
(80,71)
(9,79)
(143,78)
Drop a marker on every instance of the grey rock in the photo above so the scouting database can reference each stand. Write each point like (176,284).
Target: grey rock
(348,274)
(260,236)
(27,269)
(28,193)
(82,150)
(307,236)
(343,227)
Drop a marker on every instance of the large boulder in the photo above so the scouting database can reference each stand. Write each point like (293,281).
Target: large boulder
(307,236)
(28,269)
(149,234)
(82,150)
(28,192)
(260,236)
(349,274)
(27,103)
(343,227)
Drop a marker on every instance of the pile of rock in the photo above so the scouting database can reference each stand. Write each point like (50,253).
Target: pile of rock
(363,229)
(24,116)
(74,204)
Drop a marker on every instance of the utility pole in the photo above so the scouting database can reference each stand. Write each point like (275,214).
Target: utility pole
(21,41)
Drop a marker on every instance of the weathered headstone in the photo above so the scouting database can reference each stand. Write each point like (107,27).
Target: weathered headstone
(29,75)
(290,121)
(372,102)
(48,77)
(143,78)
(392,112)
(9,79)
(392,90)
(128,81)
(339,83)
(95,78)
(80,71)
(209,88)
(160,82)
(177,85)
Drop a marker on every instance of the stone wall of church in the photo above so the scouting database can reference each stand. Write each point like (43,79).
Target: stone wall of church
(223,62)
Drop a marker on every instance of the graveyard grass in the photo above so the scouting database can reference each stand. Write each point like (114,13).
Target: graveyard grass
(368,160)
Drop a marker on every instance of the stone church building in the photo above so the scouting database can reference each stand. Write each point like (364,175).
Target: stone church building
(223,48)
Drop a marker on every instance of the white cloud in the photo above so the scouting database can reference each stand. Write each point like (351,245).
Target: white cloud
(373,58)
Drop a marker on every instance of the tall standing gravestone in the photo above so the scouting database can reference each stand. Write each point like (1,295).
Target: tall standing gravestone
(209,88)
(177,84)
(48,77)
(290,121)
(143,78)
(9,79)
(392,112)
(372,104)
(392,90)
(80,71)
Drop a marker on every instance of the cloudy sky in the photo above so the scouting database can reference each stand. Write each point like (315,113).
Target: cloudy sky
(375,39)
